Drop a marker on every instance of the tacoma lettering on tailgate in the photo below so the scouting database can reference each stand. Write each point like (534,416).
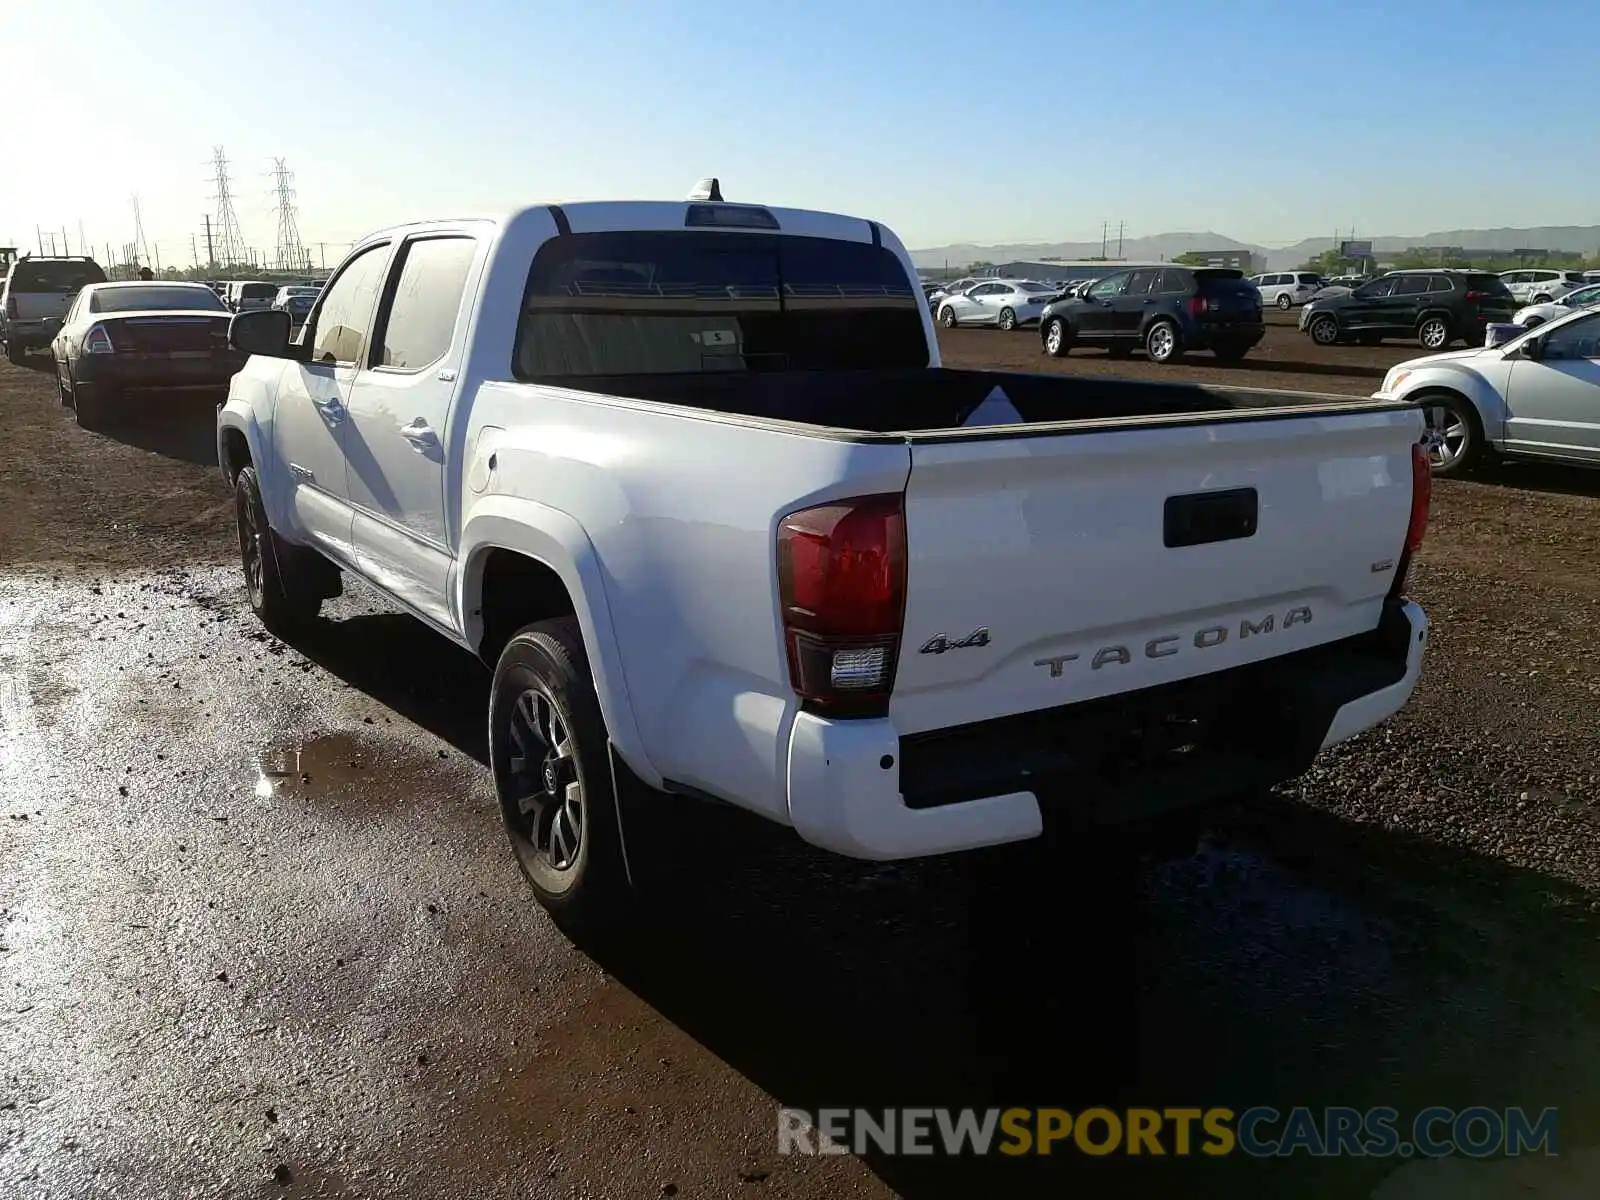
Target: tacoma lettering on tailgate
(1170,644)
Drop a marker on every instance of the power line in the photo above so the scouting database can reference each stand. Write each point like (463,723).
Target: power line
(291,254)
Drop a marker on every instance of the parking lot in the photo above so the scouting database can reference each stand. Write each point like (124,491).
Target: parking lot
(260,933)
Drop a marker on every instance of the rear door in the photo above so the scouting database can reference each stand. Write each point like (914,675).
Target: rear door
(1069,549)
(1401,310)
(1128,310)
(400,403)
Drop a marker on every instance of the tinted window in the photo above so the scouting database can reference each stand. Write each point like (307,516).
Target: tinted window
(1375,290)
(1312,279)
(1577,339)
(1441,283)
(652,302)
(1573,277)
(1038,289)
(1140,283)
(62,278)
(1111,285)
(1175,283)
(1495,285)
(127,299)
(344,318)
(422,316)
(1411,285)
(258,291)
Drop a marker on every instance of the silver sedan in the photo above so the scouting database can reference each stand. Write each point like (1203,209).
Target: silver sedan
(1004,303)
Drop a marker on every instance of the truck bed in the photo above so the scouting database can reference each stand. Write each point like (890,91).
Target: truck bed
(927,399)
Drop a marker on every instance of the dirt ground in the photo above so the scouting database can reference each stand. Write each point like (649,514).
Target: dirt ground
(1285,358)
(260,935)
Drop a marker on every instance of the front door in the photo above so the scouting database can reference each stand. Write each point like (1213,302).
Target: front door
(1093,319)
(1555,399)
(310,422)
(399,424)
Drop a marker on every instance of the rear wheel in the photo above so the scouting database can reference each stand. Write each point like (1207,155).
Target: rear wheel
(947,317)
(16,355)
(1541,299)
(548,752)
(1284,302)
(1162,344)
(63,392)
(1434,333)
(1454,435)
(1531,322)
(90,405)
(281,580)
(1008,319)
(1324,330)
(1057,338)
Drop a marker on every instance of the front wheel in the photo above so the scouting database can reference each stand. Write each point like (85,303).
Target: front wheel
(281,596)
(1161,344)
(1532,322)
(947,317)
(1454,436)
(1284,302)
(1057,338)
(1008,320)
(1434,333)
(1324,331)
(548,752)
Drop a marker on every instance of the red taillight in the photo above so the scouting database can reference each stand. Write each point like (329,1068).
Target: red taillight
(1196,305)
(1421,497)
(842,587)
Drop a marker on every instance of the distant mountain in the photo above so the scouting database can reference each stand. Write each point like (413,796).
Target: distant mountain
(1583,239)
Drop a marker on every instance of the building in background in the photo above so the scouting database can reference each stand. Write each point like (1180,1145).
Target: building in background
(1052,270)
(1238,260)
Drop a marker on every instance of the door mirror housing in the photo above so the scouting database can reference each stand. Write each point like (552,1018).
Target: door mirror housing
(264,331)
(1533,348)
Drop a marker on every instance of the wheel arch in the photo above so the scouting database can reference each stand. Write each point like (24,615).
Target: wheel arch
(522,561)
(1488,411)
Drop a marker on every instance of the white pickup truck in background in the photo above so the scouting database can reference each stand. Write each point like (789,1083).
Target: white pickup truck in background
(690,478)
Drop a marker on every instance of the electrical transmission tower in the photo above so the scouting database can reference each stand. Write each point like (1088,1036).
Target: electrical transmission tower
(227,238)
(291,254)
(140,246)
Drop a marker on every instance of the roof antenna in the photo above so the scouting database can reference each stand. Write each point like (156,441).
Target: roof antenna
(707,189)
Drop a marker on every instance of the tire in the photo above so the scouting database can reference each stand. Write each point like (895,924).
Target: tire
(1228,353)
(1455,434)
(1542,299)
(63,393)
(947,317)
(1008,320)
(280,580)
(1324,330)
(1284,302)
(1057,338)
(1533,322)
(90,406)
(560,813)
(1433,334)
(1163,343)
(16,355)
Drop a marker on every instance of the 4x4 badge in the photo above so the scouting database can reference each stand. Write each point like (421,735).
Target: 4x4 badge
(939,643)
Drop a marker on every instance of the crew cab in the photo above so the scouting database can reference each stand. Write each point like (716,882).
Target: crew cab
(691,479)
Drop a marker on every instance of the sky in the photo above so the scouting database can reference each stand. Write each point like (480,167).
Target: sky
(1261,120)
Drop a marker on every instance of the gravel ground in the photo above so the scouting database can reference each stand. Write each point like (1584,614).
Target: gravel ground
(342,977)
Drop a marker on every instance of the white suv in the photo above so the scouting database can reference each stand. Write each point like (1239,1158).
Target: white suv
(1287,288)
(1542,285)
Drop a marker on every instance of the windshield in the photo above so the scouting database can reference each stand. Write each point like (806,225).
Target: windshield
(135,299)
(62,278)
(685,302)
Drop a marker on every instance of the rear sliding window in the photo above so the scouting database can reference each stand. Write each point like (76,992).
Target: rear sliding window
(64,278)
(687,302)
(1492,284)
(258,291)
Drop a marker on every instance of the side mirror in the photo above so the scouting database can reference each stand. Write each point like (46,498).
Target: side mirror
(265,331)
(1533,348)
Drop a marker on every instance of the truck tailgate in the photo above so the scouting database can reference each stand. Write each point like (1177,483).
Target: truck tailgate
(1052,567)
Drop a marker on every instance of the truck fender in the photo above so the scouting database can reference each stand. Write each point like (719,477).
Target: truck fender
(237,420)
(555,539)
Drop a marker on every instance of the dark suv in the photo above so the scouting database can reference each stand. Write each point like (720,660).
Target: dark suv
(1436,307)
(1166,310)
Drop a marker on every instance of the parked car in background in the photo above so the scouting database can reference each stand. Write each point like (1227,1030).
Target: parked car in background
(1003,303)
(124,345)
(1537,314)
(36,296)
(1285,289)
(1535,396)
(1436,307)
(247,295)
(1167,310)
(1540,286)
(875,622)
(297,302)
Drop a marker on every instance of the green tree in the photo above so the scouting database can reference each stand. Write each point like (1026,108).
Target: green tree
(1329,262)
(1191,258)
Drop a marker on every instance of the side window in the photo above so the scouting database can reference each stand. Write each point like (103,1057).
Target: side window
(1141,282)
(1377,289)
(1411,285)
(1441,283)
(1108,287)
(420,318)
(343,316)
(1577,339)
(1515,277)
(1174,283)
(1277,280)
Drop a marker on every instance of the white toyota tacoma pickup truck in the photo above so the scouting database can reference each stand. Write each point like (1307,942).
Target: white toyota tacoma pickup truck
(690,478)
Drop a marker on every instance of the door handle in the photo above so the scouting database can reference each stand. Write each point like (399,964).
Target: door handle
(331,409)
(420,434)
